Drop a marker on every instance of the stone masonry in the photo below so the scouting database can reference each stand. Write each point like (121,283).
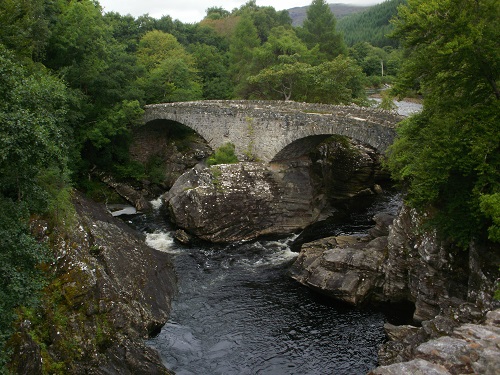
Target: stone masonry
(277,130)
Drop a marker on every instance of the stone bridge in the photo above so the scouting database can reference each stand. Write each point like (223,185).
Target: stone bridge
(277,130)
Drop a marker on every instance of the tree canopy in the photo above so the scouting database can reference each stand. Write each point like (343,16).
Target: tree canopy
(449,155)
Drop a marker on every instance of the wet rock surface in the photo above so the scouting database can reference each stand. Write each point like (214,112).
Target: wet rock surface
(348,268)
(110,292)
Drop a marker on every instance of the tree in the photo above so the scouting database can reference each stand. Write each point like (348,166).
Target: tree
(217,13)
(281,80)
(339,81)
(449,155)
(34,138)
(169,69)
(212,66)
(319,28)
(33,129)
(24,26)
(244,40)
(78,47)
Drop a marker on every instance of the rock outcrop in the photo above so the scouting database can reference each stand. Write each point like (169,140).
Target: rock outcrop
(468,349)
(347,268)
(110,291)
(397,263)
(242,201)
(234,202)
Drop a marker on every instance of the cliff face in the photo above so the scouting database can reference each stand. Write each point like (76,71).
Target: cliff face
(109,292)
(398,261)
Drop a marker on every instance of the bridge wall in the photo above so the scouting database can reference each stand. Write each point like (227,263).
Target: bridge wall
(264,128)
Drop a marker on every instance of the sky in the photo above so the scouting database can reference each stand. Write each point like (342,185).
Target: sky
(190,11)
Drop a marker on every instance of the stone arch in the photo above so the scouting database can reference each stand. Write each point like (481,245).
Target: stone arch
(157,144)
(263,129)
(299,147)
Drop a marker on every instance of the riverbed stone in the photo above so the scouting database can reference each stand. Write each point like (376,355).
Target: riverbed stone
(344,267)
(416,366)
(469,349)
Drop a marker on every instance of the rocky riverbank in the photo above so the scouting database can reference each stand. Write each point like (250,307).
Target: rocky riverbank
(108,293)
(468,349)
(398,262)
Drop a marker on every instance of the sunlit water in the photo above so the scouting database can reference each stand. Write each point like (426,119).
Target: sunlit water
(238,312)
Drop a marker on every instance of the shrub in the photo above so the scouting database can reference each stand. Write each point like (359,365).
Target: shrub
(223,155)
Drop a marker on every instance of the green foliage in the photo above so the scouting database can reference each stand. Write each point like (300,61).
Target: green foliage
(244,40)
(460,65)
(24,26)
(170,75)
(372,25)
(332,82)
(33,130)
(319,28)
(490,206)
(376,61)
(212,66)
(21,254)
(78,46)
(449,155)
(155,169)
(60,208)
(387,103)
(263,18)
(223,155)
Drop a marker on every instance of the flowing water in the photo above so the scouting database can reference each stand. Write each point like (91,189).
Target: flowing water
(238,312)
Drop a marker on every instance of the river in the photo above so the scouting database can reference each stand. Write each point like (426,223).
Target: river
(238,312)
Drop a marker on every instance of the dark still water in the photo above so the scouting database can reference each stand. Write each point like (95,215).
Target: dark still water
(238,312)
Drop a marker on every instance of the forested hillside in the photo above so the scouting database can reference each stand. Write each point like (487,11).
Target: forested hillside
(371,25)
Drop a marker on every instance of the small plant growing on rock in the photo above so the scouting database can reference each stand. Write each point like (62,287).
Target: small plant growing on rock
(223,155)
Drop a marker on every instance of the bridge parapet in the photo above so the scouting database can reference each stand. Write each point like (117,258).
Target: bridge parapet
(265,128)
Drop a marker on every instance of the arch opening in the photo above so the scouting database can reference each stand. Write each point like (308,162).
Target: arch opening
(302,147)
(166,149)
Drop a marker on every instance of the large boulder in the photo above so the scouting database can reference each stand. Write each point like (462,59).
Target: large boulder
(242,201)
(109,292)
(234,202)
(347,268)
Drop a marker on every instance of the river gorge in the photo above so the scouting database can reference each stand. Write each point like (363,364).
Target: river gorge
(239,312)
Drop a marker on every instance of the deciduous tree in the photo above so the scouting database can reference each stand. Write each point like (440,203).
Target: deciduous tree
(449,155)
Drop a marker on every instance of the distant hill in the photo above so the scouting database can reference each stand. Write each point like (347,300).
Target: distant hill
(298,14)
(372,25)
